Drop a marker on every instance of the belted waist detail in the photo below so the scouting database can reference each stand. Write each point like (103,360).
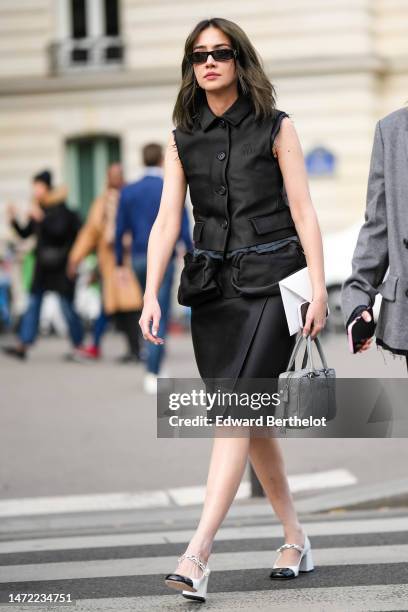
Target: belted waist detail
(243,272)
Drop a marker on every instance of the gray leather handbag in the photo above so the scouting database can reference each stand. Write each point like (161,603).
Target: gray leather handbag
(308,391)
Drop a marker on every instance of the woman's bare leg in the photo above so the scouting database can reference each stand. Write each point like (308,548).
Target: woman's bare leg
(228,460)
(267,460)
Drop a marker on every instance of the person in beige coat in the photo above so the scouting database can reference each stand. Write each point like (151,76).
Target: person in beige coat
(122,299)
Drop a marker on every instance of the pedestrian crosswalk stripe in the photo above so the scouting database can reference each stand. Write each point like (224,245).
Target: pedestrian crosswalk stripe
(332,599)
(219,562)
(181,496)
(236,581)
(184,496)
(360,564)
(349,541)
(333,527)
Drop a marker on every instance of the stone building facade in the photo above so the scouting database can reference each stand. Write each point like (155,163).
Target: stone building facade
(83,82)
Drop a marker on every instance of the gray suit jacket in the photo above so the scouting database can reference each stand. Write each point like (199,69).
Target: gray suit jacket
(383,239)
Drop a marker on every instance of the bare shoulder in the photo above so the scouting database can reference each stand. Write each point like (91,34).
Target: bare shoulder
(172,156)
(287,139)
(287,128)
(175,181)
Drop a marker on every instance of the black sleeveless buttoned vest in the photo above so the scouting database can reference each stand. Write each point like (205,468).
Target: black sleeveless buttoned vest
(236,186)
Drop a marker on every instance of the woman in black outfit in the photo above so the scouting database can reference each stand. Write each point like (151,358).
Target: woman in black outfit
(240,156)
(55,227)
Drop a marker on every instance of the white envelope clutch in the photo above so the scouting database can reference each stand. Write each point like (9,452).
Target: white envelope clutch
(295,289)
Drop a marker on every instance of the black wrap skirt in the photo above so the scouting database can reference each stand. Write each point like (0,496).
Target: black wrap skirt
(238,323)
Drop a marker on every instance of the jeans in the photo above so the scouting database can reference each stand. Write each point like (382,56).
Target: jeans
(5,316)
(99,327)
(156,353)
(31,319)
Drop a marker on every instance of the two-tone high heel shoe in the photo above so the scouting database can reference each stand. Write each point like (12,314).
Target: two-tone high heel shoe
(191,588)
(305,563)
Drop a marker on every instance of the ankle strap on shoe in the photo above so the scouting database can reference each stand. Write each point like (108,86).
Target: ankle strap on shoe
(284,546)
(197,561)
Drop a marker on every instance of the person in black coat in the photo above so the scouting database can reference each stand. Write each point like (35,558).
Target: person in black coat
(55,227)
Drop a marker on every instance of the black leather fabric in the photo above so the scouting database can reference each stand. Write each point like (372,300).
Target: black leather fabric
(282,573)
(197,282)
(238,322)
(256,274)
(179,578)
(250,274)
(236,186)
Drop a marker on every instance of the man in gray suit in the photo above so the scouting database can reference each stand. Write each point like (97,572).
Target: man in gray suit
(382,244)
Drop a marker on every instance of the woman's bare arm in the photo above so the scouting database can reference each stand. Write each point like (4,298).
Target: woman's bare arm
(163,236)
(288,151)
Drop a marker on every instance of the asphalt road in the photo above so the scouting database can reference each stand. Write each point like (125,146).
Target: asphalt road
(69,428)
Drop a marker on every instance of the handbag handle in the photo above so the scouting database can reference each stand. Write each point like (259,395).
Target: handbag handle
(294,352)
(321,353)
(309,352)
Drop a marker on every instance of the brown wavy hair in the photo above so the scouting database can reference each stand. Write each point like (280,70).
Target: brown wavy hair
(252,79)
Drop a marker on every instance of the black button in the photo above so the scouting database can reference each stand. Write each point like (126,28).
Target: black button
(224,224)
(221,123)
(222,190)
(406,292)
(221,155)
(405,241)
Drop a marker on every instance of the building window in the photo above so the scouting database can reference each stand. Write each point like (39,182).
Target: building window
(88,35)
(112,28)
(79,54)
(87,160)
(112,17)
(78,19)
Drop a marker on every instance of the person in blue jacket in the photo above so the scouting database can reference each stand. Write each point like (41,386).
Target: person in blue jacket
(138,207)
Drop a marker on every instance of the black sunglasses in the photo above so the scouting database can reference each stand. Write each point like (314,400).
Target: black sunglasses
(219,55)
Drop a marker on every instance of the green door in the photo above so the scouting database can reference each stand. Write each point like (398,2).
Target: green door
(87,160)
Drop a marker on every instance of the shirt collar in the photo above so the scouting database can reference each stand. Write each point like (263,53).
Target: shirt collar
(153,171)
(234,114)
